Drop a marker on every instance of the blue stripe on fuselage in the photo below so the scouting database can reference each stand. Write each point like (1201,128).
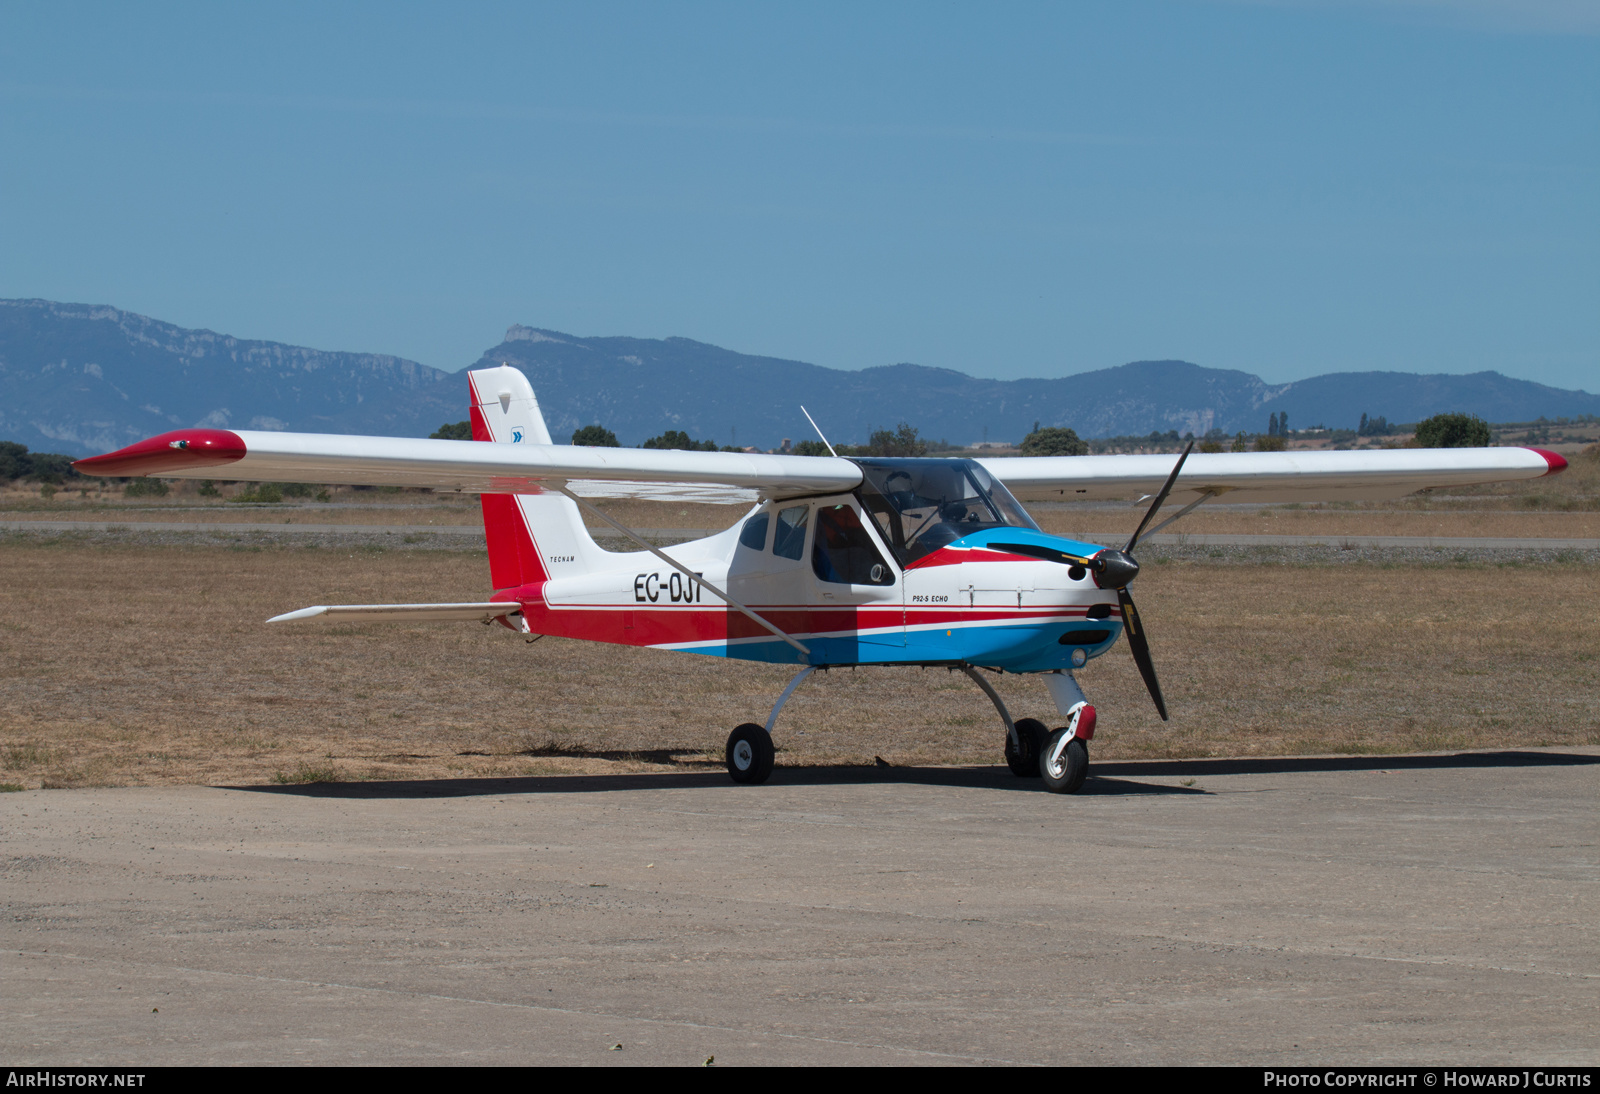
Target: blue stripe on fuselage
(1036,643)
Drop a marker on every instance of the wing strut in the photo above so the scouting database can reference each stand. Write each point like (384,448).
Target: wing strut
(684,570)
(1205,496)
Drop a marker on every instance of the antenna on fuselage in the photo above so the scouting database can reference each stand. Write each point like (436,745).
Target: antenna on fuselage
(813,422)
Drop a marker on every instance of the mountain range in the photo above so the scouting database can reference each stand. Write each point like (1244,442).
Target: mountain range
(80,378)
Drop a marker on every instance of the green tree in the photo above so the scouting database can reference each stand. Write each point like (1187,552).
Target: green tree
(145,488)
(1272,442)
(452,431)
(900,441)
(1054,442)
(810,448)
(14,462)
(1453,431)
(680,441)
(595,436)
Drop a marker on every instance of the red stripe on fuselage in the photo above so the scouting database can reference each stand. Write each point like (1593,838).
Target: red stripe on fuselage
(661,625)
(955,556)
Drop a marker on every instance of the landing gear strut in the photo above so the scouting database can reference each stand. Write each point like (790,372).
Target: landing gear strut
(750,752)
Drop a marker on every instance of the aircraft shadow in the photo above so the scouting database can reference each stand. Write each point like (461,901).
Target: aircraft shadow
(1113,778)
(1275,765)
(979,778)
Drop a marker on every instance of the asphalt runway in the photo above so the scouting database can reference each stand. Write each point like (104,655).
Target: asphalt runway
(1402,910)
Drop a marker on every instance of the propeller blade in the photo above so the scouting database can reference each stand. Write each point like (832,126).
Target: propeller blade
(1048,554)
(1161,498)
(1133,627)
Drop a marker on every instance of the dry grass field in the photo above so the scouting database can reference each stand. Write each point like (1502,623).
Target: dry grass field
(146,665)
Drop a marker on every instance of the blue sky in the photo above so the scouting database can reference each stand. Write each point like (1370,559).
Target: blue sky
(1007,190)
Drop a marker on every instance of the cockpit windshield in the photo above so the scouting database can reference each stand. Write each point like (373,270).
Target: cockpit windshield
(922,504)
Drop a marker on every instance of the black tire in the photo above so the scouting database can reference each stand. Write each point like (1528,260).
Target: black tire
(1031,733)
(1066,775)
(750,754)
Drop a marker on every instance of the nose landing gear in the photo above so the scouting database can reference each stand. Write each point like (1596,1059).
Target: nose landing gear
(1064,763)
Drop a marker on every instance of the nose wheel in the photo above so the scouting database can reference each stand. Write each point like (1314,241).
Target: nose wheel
(750,754)
(1064,762)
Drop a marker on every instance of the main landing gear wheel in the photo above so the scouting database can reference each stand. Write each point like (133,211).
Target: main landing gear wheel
(1066,774)
(750,754)
(1031,733)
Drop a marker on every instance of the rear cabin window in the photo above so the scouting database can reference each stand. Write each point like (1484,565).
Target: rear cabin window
(754,535)
(789,541)
(844,552)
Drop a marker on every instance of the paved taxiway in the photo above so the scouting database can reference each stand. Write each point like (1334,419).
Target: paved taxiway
(1400,910)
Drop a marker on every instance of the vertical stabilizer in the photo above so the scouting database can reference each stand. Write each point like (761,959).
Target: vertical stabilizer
(531,537)
(503,405)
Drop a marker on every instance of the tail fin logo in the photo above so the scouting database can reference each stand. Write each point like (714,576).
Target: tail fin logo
(516,436)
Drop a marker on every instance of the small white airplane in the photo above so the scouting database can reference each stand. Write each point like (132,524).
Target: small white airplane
(842,562)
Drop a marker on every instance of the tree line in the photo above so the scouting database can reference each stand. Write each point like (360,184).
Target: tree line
(1439,431)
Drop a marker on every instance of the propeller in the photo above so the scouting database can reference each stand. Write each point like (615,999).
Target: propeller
(1115,569)
(1121,568)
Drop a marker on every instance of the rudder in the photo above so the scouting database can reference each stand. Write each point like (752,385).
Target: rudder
(531,537)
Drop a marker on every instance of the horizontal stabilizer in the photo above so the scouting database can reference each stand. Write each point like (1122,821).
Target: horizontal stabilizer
(403,613)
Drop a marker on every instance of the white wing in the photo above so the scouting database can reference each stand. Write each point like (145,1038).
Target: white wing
(474,466)
(1269,476)
(521,460)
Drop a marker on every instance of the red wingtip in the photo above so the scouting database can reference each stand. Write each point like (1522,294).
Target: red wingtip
(1556,460)
(180,450)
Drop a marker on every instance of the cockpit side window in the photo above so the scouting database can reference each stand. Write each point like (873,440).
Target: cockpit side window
(844,552)
(789,539)
(754,534)
(1011,510)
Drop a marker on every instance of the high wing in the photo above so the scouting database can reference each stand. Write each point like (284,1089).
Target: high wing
(476,467)
(523,461)
(1370,475)
(470,466)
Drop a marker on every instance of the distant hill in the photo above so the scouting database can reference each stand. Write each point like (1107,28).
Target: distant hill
(80,378)
(638,387)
